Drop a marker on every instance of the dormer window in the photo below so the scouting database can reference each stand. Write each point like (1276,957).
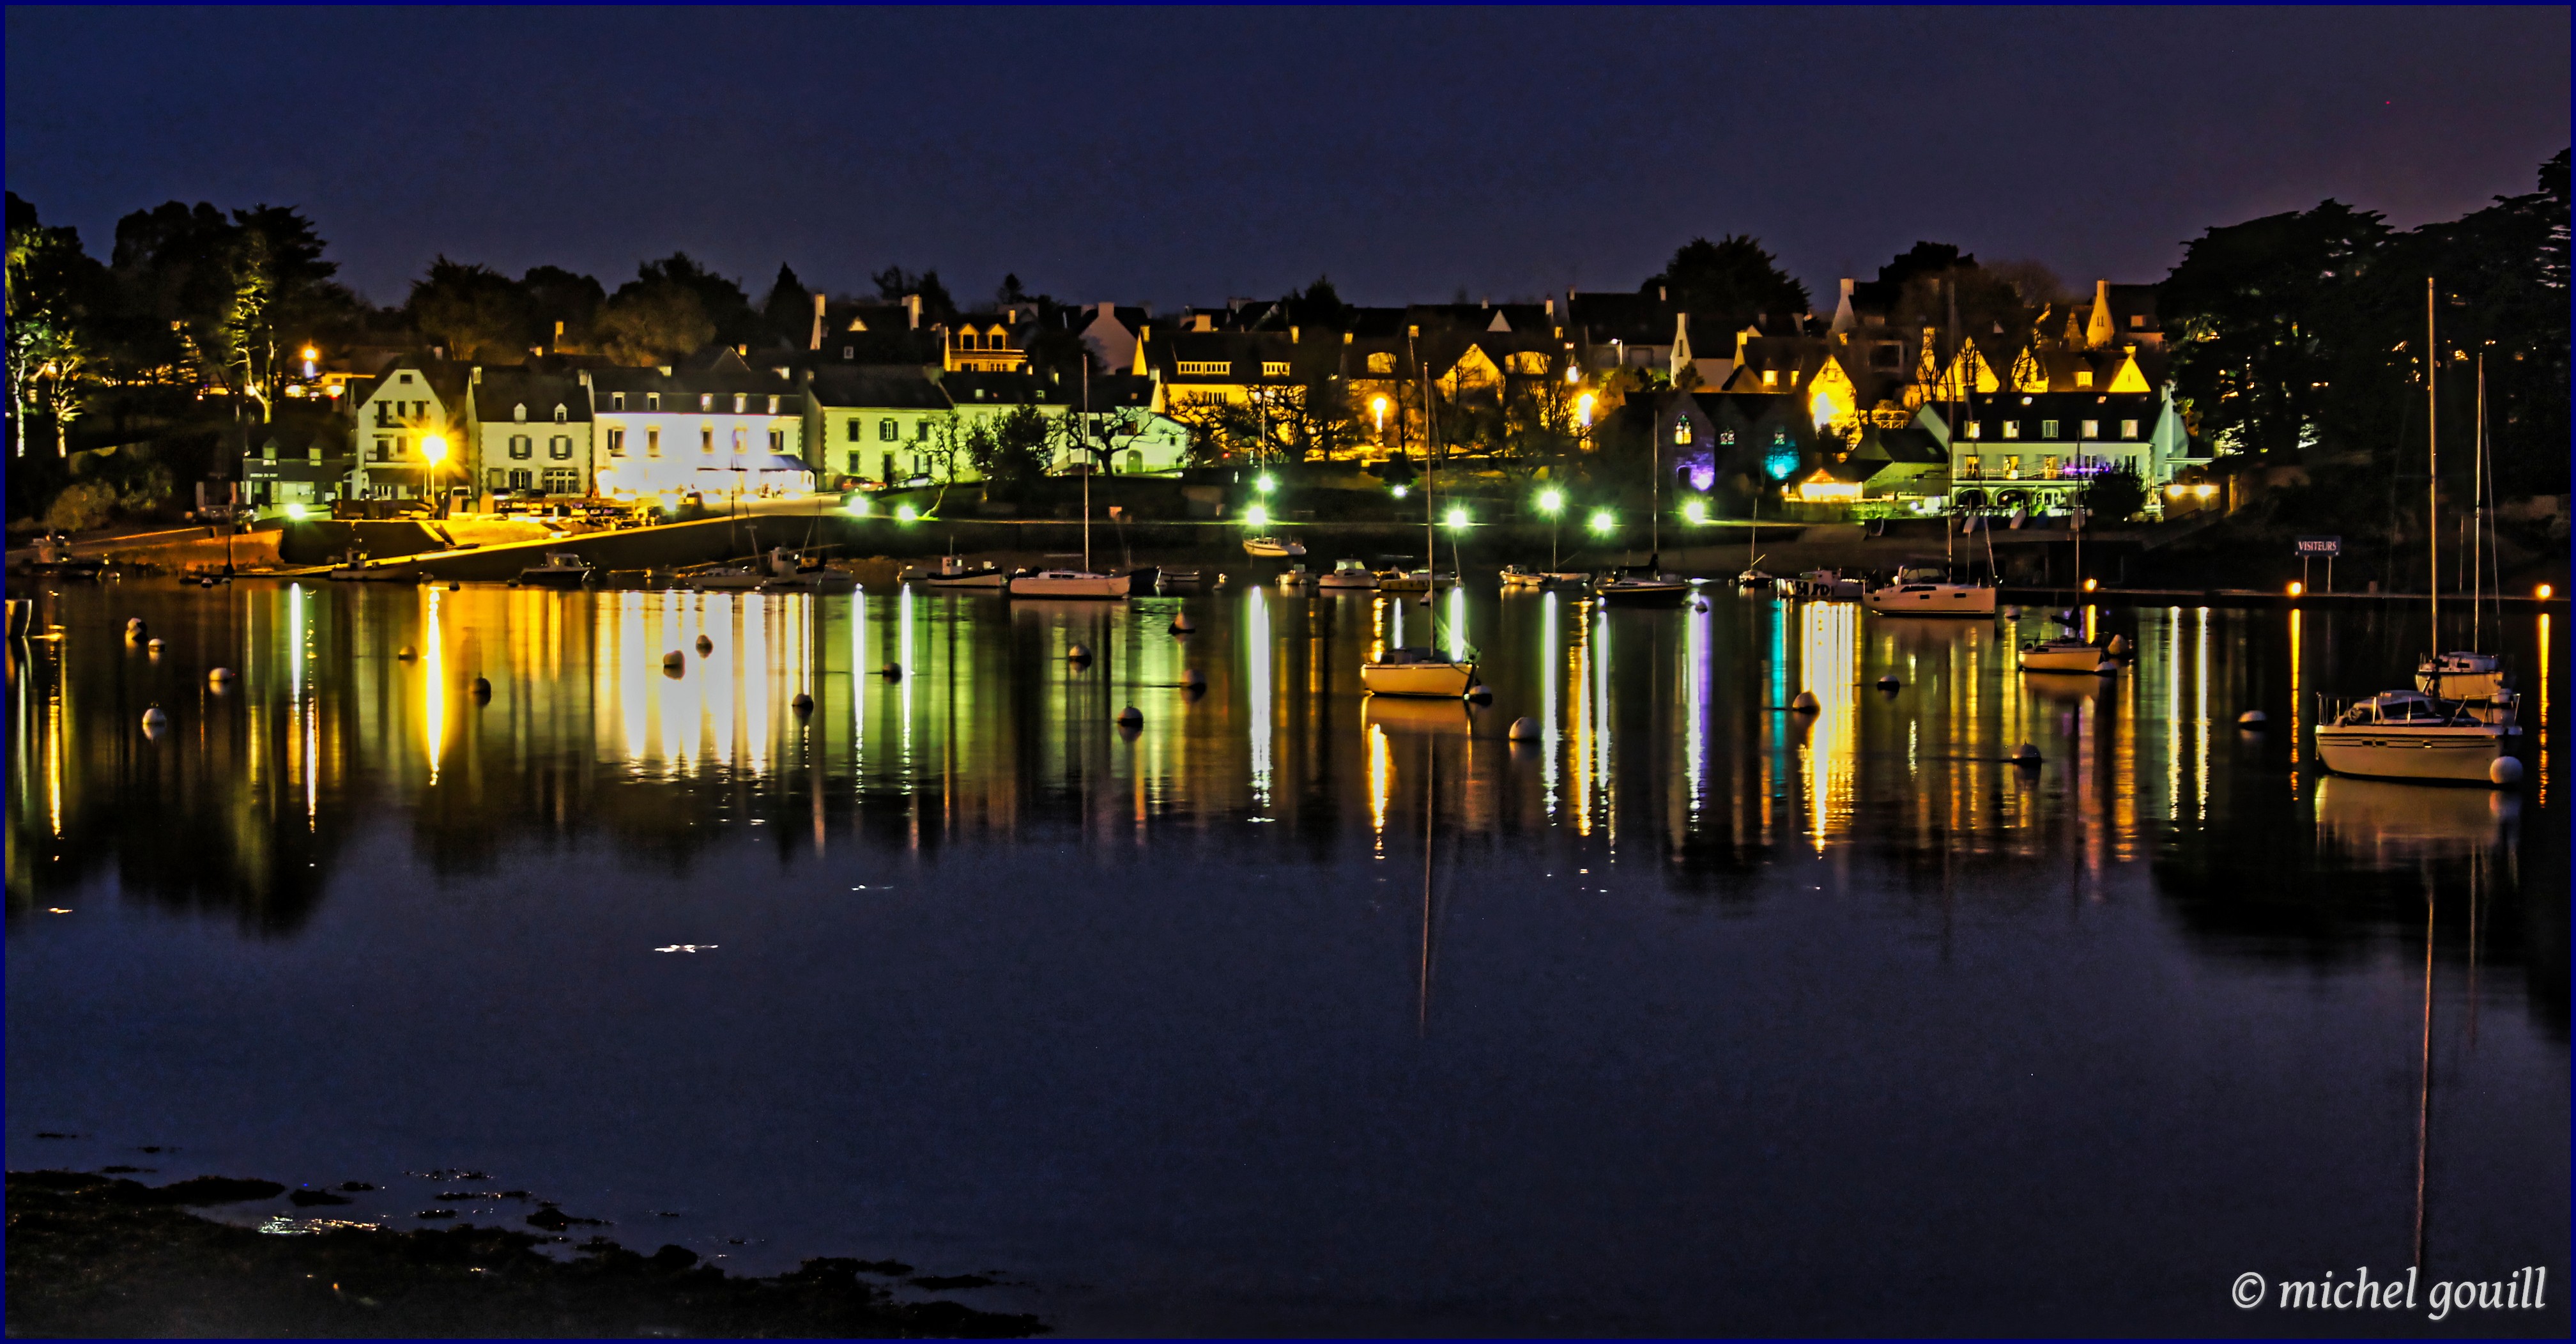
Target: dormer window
(617,401)
(652,401)
(1976,429)
(849,352)
(562,415)
(1682,430)
(2083,377)
(739,402)
(1274,368)
(519,413)
(773,403)
(404,378)
(706,401)
(1770,377)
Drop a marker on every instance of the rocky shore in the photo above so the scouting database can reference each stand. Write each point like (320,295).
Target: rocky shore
(97,1255)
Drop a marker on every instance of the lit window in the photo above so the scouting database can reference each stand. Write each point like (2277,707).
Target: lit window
(1204,368)
(706,401)
(741,403)
(2048,429)
(1274,368)
(2012,429)
(1976,429)
(740,437)
(2137,321)
(617,443)
(1381,362)
(1770,377)
(1682,430)
(2128,429)
(2048,467)
(773,403)
(2092,429)
(2012,466)
(2083,377)
(1968,466)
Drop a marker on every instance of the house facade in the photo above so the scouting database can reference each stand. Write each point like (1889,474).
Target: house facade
(397,419)
(530,431)
(712,425)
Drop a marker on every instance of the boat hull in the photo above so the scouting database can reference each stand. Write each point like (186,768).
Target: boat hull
(1441,680)
(1931,599)
(1273,550)
(991,582)
(2080,658)
(2460,754)
(723,583)
(1099,586)
(1642,594)
(377,574)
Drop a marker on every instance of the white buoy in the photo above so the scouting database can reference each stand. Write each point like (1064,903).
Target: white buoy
(154,646)
(220,675)
(1131,717)
(2025,754)
(1805,702)
(153,717)
(1193,679)
(2252,718)
(133,622)
(2504,770)
(1181,623)
(1480,694)
(2118,647)
(1524,729)
(675,659)
(1077,653)
(1888,682)
(891,671)
(405,653)
(802,704)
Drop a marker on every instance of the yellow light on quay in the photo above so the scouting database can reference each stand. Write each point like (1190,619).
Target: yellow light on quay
(1696,511)
(1256,516)
(2297,587)
(1457,517)
(434,447)
(1549,501)
(2542,592)
(907,514)
(1603,520)
(2091,584)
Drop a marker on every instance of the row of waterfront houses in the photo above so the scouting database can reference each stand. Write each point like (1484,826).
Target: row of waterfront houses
(1846,409)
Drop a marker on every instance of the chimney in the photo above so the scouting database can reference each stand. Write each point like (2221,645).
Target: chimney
(1660,296)
(2101,331)
(815,341)
(912,310)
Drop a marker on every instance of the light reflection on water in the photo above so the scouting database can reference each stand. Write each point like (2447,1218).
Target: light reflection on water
(1097,977)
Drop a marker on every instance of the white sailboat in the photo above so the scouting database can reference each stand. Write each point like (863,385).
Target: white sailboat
(2465,674)
(1919,592)
(1084,582)
(1419,671)
(1272,548)
(2409,734)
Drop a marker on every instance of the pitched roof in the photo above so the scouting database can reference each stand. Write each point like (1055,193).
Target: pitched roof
(878,386)
(502,388)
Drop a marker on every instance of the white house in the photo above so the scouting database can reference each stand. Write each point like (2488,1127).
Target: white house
(530,431)
(713,424)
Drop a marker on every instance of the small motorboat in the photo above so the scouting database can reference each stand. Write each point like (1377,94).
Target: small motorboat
(1348,576)
(1567,578)
(741,578)
(2066,655)
(1172,580)
(1642,587)
(1069,583)
(1295,578)
(1822,585)
(1404,581)
(560,569)
(1756,581)
(1275,548)
(359,570)
(952,572)
(1514,576)
(1418,671)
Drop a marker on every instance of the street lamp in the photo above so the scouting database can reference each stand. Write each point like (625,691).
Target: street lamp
(1263,483)
(1603,521)
(1377,407)
(433,449)
(1457,516)
(1696,511)
(1551,502)
(1256,516)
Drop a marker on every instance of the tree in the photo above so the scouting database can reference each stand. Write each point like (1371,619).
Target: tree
(894,282)
(655,324)
(720,302)
(276,282)
(1319,306)
(1727,283)
(1012,451)
(2115,496)
(787,312)
(2260,305)
(475,313)
(564,304)
(54,290)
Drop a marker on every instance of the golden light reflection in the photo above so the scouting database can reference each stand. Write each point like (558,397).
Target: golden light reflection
(1381,767)
(2540,728)
(433,694)
(1551,686)
(1256,651)
(2298,654)
(1829,666)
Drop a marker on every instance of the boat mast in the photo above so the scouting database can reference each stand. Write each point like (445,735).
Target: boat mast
(2432,470)
(2478,514)
(1950,413)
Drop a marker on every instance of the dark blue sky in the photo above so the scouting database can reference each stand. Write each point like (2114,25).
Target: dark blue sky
(1181,155)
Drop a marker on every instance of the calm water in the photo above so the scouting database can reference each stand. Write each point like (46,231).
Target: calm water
(1294,1011)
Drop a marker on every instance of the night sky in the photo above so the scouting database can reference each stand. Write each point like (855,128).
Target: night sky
(1181,156)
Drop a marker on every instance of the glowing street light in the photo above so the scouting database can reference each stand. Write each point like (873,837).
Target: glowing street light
(1256,516)
(1551,501)
(906,514)
(859,507)
(1377,407)
(1583,410)
(434,447)
(1696,511)
(1264,483)
(1603,521)
(1457,517)
(1401,491)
